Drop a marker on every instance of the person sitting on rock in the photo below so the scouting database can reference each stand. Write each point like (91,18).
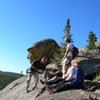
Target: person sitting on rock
(77,83)
(37,66)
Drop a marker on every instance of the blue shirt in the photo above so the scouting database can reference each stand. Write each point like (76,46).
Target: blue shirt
(79,76)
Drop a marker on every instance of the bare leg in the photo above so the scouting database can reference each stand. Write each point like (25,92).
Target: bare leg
(64,69)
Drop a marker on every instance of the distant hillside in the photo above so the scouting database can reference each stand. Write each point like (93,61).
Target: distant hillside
(8,77)
(9,73)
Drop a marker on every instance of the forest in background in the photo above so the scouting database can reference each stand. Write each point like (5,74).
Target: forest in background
(6,79)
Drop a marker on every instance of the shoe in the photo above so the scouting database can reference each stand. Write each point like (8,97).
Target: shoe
(93,88)
(43,82)
(27,90)
(34,88)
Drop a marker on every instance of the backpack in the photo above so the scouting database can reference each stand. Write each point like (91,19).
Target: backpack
(75,52)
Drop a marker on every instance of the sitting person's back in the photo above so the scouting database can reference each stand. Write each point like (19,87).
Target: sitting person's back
(79,78)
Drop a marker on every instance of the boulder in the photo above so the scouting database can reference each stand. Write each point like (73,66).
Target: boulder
(89,60)
(97,44)
(54,66)
(42,48)
(89,65)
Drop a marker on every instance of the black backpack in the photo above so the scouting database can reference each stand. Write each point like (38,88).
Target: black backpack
(75,52)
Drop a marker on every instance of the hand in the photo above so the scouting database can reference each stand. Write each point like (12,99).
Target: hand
(40,71)
(74,77)
(69,83)
(64,77)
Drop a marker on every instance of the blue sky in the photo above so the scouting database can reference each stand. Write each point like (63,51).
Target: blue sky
(24,22)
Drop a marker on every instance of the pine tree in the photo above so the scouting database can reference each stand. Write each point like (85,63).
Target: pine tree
(91,40)
(67,29)
(67,32)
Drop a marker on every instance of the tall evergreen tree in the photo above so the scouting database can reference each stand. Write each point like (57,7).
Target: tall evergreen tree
(67,28)
(67,32)
(91,40)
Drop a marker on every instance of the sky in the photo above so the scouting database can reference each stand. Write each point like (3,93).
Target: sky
(24,22)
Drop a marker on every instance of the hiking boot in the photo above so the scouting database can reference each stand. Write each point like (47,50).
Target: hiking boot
(93,88)
(34,88)
(27,90)
(43,82)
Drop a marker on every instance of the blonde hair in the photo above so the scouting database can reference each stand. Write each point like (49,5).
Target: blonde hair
(74,62)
